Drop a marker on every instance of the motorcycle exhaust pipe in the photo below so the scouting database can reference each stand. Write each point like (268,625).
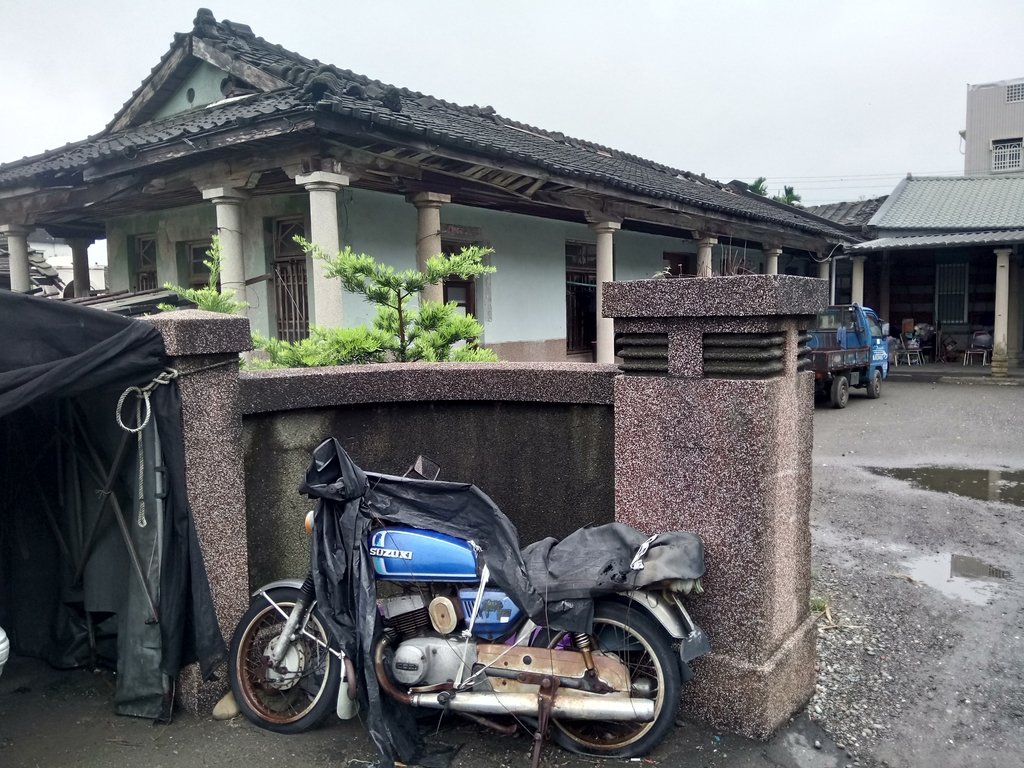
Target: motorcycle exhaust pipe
(575,706)
(571,706)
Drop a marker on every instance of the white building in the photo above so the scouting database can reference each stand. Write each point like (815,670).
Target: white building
(995,128)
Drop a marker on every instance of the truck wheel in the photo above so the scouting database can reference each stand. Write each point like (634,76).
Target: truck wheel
(840,391)
(874,389)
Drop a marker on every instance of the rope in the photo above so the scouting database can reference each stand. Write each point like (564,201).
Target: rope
(143,413)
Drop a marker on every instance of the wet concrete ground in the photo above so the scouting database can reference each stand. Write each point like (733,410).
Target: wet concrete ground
(952,690)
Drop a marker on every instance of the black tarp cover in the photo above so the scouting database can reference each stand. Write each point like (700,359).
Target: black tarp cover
(553,581)
(53,349)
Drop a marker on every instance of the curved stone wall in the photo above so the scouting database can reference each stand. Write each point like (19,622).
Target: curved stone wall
(537,438)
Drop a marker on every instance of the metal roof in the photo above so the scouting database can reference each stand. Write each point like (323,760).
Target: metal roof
(944,240)
(951,203)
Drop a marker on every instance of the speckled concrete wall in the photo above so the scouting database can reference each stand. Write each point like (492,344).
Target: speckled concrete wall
(728,458)
(537,438)
(204,348)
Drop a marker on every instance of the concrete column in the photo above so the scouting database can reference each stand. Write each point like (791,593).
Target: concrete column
(1013,334)
(80,264)
(714,439)
(857,280)
(17,247)
(428,235)
(771,260)
(203,347)
(605,274)
(824,266)
(884,288)
(704,246)
(228,204)
(323,186)
(999,332)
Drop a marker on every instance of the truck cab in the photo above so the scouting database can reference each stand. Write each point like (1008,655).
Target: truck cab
(848,349)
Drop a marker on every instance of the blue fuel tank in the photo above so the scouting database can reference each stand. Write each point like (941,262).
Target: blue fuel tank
(414,554)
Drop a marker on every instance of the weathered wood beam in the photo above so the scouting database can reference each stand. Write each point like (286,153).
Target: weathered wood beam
(176,61)
(240,69)
(195,146)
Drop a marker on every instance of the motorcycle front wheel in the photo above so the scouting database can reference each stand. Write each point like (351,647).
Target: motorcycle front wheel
(642,645)
(297,694)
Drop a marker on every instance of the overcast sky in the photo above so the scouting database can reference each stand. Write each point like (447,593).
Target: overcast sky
(839,99)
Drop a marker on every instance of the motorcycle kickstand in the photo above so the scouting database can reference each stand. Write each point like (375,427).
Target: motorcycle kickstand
(545,703)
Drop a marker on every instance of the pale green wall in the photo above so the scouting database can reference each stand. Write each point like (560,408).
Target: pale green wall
(205,81)
(523,301)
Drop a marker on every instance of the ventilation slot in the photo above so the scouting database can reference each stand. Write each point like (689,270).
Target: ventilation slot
(745,355)
(642,353)
(803,351)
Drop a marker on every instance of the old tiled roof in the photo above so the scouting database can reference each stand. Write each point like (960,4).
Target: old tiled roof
(853,214)
(953,203)
(398,112)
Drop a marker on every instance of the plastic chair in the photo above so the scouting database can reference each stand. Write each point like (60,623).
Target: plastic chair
(981,345)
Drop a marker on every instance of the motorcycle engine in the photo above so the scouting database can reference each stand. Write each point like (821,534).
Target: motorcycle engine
(426,652)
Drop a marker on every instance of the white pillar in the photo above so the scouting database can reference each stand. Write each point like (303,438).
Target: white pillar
(323,187)
(771,256)
(605,274)
(428,235)
(885,287)
(17,247)
(228,204)
(857,280)
(999,332)
(80,264)
(823,266)
(704,246)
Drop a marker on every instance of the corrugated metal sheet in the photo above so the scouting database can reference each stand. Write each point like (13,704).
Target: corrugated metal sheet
(949,203)
(947,240)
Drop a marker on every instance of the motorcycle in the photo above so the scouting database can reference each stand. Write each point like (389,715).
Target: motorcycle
(419,598)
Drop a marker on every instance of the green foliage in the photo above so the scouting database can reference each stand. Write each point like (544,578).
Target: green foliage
(759,186)
(788,196)
(432,331)
(325,346)
(209,297)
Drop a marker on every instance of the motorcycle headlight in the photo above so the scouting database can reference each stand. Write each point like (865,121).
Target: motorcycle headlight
(308,525)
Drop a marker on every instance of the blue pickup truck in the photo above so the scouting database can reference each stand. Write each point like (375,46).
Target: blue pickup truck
(847,348)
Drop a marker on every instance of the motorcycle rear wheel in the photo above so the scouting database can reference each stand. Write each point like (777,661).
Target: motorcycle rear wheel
(630,635)
(298,694)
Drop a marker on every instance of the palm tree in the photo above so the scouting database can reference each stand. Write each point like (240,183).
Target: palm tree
(788,196)
(759,187)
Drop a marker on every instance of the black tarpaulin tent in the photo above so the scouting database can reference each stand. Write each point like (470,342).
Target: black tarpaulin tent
(94,521)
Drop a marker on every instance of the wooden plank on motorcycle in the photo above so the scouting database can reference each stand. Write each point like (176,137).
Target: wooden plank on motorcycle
(545,661)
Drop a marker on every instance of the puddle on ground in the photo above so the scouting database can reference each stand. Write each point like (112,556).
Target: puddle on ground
(961,576)
(984,484)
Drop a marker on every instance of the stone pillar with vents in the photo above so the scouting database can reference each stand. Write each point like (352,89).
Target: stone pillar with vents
(323,188)
(857,280)
(1000,359)
(428,235)
(705,245)
(80,264)
(605,274)
(228,204)
(713,434)
(17,248)
(771,259)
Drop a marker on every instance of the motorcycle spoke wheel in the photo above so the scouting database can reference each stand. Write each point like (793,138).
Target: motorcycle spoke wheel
(297,694)
(632,638)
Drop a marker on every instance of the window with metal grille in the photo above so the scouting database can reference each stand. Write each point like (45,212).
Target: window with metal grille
(950,293)
(144,262)
(291,292)
(198,272)
(1014,92)
(1006,154)
(580,296)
